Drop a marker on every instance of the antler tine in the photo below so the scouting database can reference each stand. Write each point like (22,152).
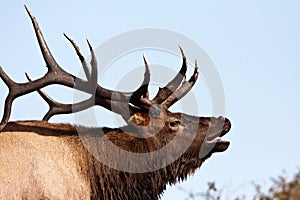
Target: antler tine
(81,57)
(9,99)
(165,92)
(146,78)
(94,73)
(59,108)
(7,110)
(10,83)
(108,101)
(142,91)
(53,105)
(183,89)
(12,94)
(49,59)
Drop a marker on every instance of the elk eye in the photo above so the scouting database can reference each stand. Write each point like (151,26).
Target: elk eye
(175,123)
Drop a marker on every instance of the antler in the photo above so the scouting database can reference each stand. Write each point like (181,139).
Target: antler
(166,91)
(182,90)
(123,103)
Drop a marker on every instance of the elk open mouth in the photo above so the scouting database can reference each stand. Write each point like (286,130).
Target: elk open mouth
(220,144)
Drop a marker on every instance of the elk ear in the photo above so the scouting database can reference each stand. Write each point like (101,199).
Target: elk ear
(139,119)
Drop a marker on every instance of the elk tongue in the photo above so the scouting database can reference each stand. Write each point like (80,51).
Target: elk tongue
(220,145)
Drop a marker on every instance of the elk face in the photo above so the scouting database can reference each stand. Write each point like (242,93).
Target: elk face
(200,135)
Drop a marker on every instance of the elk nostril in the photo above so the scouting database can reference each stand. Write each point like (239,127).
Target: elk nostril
(227,125)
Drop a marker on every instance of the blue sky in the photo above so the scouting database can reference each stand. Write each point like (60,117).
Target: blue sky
(254,45)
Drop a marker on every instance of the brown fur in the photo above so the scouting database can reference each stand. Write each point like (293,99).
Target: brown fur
(40,160)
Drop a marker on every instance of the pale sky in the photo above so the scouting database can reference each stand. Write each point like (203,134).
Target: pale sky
(253,44)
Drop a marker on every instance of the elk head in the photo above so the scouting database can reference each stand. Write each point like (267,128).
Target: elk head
(149,119)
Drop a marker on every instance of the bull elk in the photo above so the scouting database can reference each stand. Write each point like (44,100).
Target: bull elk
(41,160)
